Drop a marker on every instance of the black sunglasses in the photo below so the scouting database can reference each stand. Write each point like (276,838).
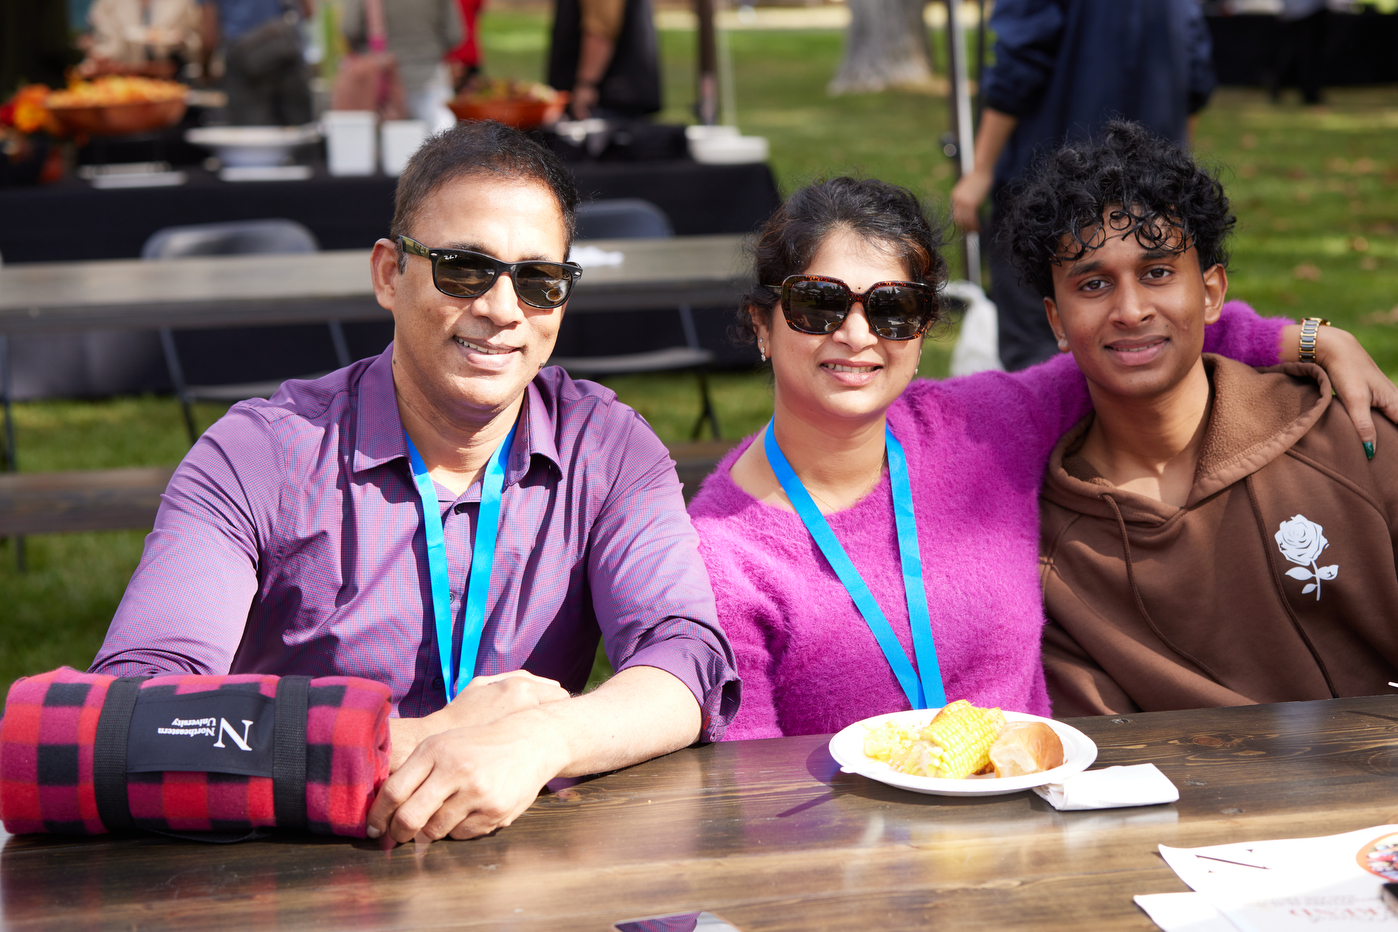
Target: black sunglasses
(895,310)
(462,273)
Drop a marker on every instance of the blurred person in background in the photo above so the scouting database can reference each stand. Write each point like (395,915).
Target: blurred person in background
(465,60)
(1063,68)
(605,53)
(418,33)
(265,72)
(1301,29)
(149,37)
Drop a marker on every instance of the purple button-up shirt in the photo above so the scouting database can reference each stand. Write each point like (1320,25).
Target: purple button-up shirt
(290,540)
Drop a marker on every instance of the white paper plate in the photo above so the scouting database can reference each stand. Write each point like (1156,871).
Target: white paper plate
(847,748)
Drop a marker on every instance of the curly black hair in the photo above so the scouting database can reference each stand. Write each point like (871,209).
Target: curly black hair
(883,213)
(1147,186)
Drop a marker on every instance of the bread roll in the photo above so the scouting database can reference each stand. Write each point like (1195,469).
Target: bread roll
(1025,747)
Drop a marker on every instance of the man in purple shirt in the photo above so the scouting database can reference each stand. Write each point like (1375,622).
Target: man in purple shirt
(293,539)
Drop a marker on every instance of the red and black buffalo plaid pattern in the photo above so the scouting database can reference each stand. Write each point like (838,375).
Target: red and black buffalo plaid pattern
(46,760)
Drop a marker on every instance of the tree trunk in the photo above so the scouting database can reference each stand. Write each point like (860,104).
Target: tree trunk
(886,47)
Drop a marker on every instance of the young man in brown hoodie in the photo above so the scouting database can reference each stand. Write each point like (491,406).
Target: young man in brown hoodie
(1212,534)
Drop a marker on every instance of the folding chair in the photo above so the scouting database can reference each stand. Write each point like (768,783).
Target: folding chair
(633,218)
(242,237)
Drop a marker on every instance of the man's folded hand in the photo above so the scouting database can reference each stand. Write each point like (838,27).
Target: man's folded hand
(484,700)
(467,782)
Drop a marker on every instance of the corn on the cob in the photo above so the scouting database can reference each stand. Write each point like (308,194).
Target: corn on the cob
(955,744)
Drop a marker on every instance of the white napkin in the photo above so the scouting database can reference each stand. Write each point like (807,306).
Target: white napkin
(1183,912)
(590,257)
(1114,787)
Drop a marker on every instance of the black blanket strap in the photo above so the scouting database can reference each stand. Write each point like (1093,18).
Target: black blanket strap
(109,753)
(289,752)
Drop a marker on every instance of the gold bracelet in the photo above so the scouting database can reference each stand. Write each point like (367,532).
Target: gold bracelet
(1309,327)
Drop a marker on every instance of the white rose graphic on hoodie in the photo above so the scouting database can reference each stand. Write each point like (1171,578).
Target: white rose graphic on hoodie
(1302,541)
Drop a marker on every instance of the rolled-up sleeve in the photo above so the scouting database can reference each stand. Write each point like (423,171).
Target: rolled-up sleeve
(187,604)
(1027,36)
(650,591)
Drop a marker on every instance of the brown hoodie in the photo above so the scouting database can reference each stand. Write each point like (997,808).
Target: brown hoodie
(1154,607)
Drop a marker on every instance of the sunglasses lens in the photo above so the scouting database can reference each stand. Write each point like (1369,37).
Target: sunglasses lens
(813,306)
(895,312)
(543,284)
(465,275)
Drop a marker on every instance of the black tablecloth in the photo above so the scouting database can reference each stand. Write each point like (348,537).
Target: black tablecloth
(73,221)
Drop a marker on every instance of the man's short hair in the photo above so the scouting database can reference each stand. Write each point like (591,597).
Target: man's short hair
(1156,191)
(479,147)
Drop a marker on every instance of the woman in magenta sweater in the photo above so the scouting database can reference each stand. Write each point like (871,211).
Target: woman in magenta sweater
(852,436)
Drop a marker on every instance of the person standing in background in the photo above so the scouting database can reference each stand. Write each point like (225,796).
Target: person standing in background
(465,60)
(141,37)
(605,53)
(265,71)
(1301,29)
(1063,68)
(419,33)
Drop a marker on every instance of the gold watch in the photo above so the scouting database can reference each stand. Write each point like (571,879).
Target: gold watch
(1309,327)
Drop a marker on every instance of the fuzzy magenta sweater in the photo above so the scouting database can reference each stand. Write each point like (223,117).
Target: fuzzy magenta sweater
(976,449)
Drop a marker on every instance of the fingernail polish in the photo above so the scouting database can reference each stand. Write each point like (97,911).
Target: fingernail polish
(1369,449)
(372,832)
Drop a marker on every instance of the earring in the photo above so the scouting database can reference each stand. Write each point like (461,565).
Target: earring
(761,352)
(1062,343)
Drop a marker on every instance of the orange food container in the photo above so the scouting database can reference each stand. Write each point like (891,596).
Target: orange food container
(119,119)
(519,112)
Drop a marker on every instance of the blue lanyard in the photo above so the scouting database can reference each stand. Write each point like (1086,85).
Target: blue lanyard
(927,692)
(482,560)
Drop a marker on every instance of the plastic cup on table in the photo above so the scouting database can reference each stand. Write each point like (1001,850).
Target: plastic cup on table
(398,140)
(349,141)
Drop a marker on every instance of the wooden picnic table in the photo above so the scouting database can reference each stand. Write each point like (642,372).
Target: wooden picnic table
(768,834)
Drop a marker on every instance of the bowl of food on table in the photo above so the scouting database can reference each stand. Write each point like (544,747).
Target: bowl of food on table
(521,104)
(118,105)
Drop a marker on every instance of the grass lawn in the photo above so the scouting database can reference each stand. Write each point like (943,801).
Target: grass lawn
(1316,192)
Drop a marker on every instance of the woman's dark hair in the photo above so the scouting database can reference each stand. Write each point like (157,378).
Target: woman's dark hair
(1153,187)
(481,147)
(885,214)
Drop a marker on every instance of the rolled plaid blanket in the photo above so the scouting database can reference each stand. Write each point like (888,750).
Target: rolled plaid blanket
(84,753)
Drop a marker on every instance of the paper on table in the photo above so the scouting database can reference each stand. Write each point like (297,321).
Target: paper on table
(1327,883)
(591,256)
(1184,912)
(1111,788)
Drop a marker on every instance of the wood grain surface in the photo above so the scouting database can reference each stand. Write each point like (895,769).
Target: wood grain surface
(84,500)
(768,834)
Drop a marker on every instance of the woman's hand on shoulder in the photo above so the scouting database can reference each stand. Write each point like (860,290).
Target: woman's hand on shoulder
(1358,381)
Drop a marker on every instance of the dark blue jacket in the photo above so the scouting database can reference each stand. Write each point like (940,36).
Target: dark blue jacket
(1064,67)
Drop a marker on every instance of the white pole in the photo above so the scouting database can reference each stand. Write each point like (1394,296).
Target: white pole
(965,134)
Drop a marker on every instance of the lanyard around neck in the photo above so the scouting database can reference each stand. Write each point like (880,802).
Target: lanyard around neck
(482,560)
(925,692)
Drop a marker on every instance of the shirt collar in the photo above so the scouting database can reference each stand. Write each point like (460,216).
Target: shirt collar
(379,432)
(378,435)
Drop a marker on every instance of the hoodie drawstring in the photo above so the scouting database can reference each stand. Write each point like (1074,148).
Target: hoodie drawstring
(1141,605)
(1281,590)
